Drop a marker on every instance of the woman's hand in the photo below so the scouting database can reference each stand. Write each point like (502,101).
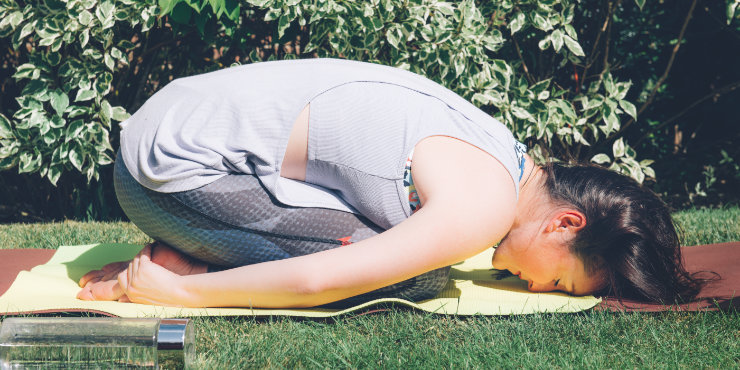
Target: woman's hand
(103,284)
(146,282)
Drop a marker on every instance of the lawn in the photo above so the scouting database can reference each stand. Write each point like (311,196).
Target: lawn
(400,338)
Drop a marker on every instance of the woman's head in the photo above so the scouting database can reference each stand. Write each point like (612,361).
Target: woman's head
(591,230)
(628,239)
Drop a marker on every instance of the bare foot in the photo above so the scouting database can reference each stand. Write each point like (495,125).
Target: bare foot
(162,255)
(103,284)
(175,261)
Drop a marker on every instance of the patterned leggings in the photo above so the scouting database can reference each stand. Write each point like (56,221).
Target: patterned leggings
(234,222)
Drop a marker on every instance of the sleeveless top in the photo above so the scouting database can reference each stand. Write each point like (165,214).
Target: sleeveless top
(364,121)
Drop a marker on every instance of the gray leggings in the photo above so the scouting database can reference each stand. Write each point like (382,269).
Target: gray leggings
(234,222)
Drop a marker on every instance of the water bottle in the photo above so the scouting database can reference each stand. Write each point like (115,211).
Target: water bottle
(96,343)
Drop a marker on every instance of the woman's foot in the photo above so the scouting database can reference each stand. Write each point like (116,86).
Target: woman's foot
(161,254)
(103,284)
(173,260)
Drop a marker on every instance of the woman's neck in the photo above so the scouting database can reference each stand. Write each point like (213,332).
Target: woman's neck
(532,198)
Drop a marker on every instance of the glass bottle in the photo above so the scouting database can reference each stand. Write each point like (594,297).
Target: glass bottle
(96,343)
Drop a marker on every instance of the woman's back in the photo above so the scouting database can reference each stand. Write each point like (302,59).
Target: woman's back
(365,117)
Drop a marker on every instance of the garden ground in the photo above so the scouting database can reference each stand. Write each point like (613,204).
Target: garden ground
(394,337)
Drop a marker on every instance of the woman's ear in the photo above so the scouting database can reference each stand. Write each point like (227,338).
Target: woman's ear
(567,221)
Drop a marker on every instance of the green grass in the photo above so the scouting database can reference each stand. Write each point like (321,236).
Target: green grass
(401,338)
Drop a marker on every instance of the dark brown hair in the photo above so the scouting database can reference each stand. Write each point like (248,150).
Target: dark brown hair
(629,235)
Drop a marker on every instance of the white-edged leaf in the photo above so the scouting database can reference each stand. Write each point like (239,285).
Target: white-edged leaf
(517,22)
(119,114)
(106,111)
(649,172)
(6,130)
(54,173)
(76,158)
(731,7)
(59,101)
(521,113)
(109,61)
(85,17)
(573,46)
(84,95)
(629,108)
(601,158)
(557,39)
(618,148)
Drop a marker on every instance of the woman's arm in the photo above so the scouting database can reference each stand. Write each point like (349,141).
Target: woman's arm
(468,202)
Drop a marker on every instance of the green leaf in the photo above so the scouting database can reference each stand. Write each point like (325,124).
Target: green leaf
(181,13)
(609,85)
(640,4)
(59,101)
(649,172)
(283,24)
(459,63)
(544,43)
(601,158)
(557,39)
(392,37)
(731,7)
(24,71)
(166,6)
(232,9)
(84,38)
(517,22)
(6,131)
(119,114)
(57,122)
(273,14)
(102,85)
(573,46)
(85,18)
(74,129)
(14,19)
(521,113)
(106,111)
(618,148)
(33,87)
(29,162)
(126,45)
(109,62)
(54,173)
(84,95)
(25,31)
(53,58)
(541,22)
(76,157)
(629,108)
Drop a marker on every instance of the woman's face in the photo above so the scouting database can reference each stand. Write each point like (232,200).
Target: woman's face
(540,255)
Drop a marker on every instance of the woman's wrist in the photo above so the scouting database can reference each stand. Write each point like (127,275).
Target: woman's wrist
(185,293)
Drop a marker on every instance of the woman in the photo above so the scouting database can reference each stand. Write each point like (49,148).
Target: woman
(301,183)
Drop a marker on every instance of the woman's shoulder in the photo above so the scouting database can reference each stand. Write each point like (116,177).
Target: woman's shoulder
(453,171)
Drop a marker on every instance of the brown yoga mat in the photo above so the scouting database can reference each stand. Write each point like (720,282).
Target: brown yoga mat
(723,259)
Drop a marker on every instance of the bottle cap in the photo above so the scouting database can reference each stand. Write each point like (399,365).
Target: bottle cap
(175,343)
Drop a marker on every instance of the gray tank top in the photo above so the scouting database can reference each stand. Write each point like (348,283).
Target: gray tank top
(364,121)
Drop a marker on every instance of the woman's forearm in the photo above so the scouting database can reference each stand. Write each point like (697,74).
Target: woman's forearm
(276,284)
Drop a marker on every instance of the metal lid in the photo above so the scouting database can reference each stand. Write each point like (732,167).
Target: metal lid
(175,343)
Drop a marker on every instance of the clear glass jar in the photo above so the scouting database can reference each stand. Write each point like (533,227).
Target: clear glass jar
(96,343)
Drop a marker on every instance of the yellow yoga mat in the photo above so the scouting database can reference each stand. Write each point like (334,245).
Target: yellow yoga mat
(472,290)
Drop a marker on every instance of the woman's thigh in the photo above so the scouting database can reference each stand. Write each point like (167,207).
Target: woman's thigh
(234,221)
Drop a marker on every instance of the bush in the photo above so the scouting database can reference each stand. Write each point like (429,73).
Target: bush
(81,65)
